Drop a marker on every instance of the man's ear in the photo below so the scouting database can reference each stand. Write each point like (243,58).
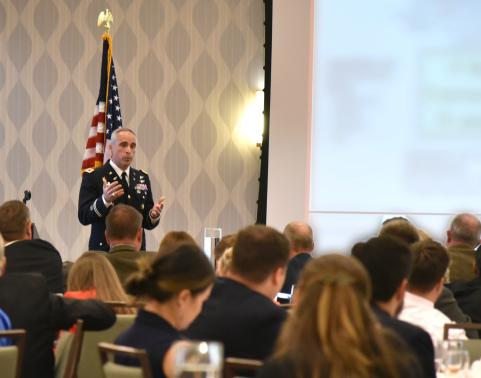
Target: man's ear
(138,236)
(107,239)
(279,276)
(401,290)
(28,230)
(449,236)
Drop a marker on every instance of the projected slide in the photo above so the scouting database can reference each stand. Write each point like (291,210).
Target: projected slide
(396,107)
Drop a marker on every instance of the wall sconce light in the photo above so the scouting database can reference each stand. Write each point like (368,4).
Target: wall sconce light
(260,114)
(251,125)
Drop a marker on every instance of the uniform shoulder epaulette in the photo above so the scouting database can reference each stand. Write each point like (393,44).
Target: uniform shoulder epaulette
(89,170)
(141,170)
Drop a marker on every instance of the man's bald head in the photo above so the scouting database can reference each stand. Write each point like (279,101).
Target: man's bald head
(465,228)
(300,237)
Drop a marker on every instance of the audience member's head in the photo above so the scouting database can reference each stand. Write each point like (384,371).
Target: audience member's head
(226,242)
(260,253)
(173,239)
(224,263)
(123,226)
(466,229)
(93,272)
(332,318)
(15,221)
(388,262)
(400,228)
(430,262)
(300,237)
(179,281)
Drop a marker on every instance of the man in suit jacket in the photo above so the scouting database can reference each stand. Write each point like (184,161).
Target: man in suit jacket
(301,242)
(27,255)
(124,235)
(25,298)
(388,262)
(116,182)
(240,311)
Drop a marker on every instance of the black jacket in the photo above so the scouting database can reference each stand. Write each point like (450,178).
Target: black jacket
(26,300)
(91,208)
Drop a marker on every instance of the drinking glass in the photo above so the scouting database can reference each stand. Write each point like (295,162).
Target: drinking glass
(199,359)
(456,362)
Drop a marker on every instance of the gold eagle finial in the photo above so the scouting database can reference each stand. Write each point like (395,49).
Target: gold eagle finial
(105,17)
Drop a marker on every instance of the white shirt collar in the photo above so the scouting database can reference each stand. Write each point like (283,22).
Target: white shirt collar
(413,299)
(119,171)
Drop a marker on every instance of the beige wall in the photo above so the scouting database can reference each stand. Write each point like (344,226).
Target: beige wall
(290,112)
(187,70)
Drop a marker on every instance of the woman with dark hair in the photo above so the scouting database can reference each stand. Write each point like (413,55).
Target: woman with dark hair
(173,288)
(332,332)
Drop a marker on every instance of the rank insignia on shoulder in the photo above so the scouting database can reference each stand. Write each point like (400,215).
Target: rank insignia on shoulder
(141,170)
(89,170)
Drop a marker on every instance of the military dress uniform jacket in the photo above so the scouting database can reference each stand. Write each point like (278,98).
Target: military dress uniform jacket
(92,210)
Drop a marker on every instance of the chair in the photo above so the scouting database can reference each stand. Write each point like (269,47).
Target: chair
(11,356)
(465,326)
(114,370)
(89,365)
(473,346)
(67,352)
(240,367)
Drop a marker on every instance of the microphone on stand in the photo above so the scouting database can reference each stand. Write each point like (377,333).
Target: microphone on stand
(27,196)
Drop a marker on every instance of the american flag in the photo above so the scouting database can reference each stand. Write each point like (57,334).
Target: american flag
(107,117)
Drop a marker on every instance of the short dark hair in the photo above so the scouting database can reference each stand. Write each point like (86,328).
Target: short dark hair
(186,267)
(14,216)
(258,251)
(466,228)
(123,222)
(401,229)
(430,262)
(388,261)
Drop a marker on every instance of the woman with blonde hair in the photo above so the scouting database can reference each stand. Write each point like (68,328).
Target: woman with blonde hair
(173,288)
(93,276)
(332,332)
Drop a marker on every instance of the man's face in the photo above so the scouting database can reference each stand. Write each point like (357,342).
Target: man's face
(123,149)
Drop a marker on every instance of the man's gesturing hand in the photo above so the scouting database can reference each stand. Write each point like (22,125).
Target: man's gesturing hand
(112,190)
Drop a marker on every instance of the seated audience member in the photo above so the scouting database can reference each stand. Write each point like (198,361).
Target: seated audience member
(224,263)
(402,229)
(240,311)
(5,323)
(425,283)
(173,239)
(388,262)
(223,245)
(173,287)
(123,232)
(462,238)
(92,276)
(468,294)
(301,245)
(24,254)
(331,331)
(25,298)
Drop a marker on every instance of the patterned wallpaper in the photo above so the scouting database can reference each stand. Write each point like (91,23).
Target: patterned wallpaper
(187,71)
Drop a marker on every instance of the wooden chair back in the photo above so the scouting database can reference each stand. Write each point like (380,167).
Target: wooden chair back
(240,367)
(109,351)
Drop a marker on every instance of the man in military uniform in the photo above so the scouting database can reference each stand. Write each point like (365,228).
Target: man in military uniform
(116,182)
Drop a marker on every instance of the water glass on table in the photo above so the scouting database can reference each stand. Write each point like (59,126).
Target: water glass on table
(456,363)
(199,359)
